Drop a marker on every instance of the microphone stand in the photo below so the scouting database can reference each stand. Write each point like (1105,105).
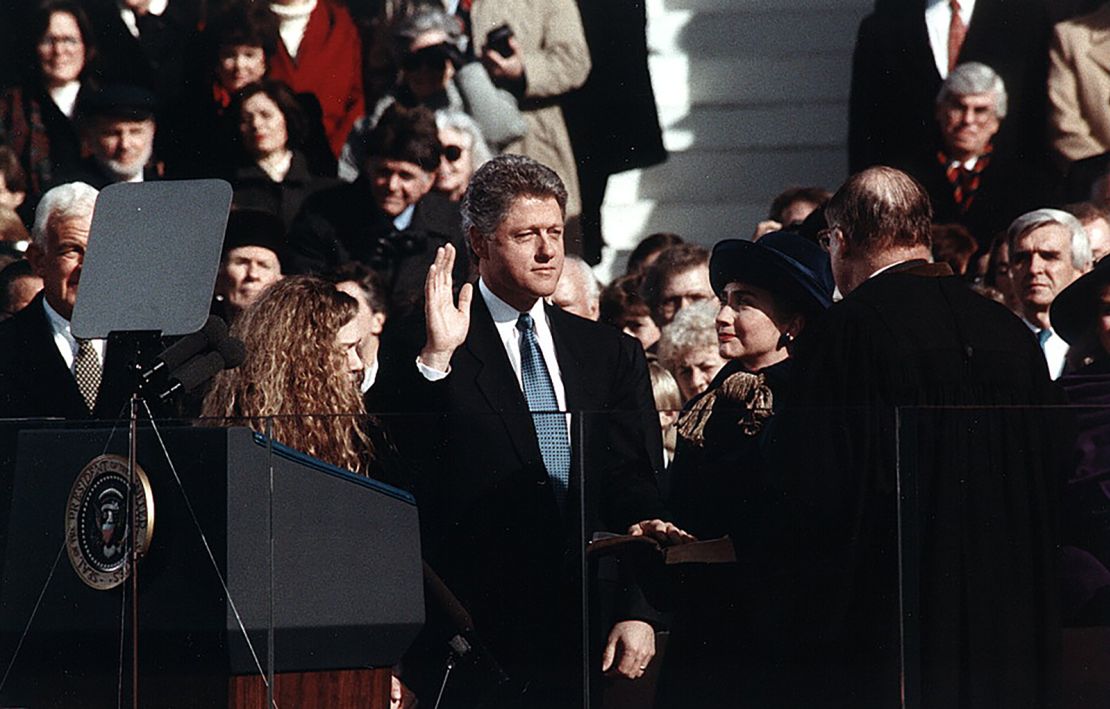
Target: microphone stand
(139,343)
(133,552)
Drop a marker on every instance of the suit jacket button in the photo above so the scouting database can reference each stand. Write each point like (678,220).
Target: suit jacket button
(541,483)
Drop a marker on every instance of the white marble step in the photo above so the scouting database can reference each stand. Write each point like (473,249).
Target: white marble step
(702,223)
(752,97)
(709,127)
(749,175)
(754,33)
(680,81)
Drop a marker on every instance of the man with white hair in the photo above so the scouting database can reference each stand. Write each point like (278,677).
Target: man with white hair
(968,182)
(1048,250)
(44,369)
(578,291)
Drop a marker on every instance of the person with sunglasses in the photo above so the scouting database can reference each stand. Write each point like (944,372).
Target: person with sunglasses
(437,73)
(464,151)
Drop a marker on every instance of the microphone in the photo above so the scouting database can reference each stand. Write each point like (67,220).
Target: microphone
(466,639)
(233,351)
(194,373)
(211,335)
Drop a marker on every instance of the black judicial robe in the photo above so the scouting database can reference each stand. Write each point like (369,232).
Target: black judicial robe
(976,509)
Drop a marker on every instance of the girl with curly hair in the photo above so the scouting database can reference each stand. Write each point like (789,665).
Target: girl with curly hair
(303,370)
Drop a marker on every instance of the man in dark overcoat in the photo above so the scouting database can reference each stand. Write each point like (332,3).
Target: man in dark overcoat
(508,486)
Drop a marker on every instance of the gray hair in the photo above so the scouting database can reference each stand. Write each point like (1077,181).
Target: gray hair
(498,183)
(73,200)
(585,274)
(693,328)
(1080,243)
(422,20)
(480,153)
(974,78)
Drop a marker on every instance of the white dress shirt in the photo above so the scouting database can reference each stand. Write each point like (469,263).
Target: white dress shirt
(938,16)
(1055,349)
(369,376)
(157,7)
(64,339)
(65,97)
(504,319)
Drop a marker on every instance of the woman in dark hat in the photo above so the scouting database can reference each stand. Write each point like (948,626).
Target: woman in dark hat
(1081,315)
(769,290)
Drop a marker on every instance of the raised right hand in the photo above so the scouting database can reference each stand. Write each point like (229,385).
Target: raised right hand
(447,324)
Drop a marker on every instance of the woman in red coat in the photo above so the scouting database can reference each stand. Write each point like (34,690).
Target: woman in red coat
(320,53)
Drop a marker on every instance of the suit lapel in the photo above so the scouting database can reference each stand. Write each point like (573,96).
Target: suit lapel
(495,379)
(918,49)
(52,379)
(570,361)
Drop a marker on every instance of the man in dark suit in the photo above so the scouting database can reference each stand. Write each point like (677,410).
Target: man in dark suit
(44,370)
(902,55)
(500,482)
(146,42)
(920,526)
(389,219)
(968,181)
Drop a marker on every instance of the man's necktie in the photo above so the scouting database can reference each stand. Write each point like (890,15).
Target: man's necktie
(957,30)
(550,423)
(86,370)
(1043,336)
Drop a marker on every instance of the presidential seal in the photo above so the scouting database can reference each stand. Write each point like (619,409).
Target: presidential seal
(98,517)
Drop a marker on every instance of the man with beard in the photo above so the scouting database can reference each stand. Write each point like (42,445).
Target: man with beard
(117,129)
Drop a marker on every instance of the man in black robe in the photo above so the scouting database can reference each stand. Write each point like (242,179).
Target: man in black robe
(920,532)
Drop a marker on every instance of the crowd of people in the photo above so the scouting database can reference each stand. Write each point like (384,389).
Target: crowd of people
(417,187)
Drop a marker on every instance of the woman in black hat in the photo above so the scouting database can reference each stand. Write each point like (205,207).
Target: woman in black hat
(768,291)
(1081,315)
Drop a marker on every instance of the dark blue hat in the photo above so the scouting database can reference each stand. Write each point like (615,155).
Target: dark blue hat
(1075,308)
(784,262)
(119,101)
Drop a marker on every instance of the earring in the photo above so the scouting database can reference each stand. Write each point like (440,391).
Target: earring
(786,340)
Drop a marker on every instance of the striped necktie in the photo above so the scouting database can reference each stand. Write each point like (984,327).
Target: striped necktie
(550,423)
(957,30)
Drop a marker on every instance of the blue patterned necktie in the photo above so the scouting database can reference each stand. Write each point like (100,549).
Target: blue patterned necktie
(1043,336)
(550,423)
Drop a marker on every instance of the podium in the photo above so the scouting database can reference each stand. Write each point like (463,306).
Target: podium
(262,562)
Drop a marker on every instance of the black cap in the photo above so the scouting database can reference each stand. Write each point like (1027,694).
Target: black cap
(119,101)
(1074,310)
(256,227)
(784,262)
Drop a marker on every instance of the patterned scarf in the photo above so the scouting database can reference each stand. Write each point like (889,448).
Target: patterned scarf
(744,391)
(964,182)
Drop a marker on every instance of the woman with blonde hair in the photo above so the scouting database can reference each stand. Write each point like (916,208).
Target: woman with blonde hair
(302,372)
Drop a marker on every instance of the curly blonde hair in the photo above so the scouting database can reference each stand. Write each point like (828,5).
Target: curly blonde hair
(294,372)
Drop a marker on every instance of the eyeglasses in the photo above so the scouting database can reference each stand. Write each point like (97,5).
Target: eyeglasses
(452,152)
(825,236)
(63,42)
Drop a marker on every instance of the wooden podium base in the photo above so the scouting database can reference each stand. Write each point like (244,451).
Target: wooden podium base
(367,689)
